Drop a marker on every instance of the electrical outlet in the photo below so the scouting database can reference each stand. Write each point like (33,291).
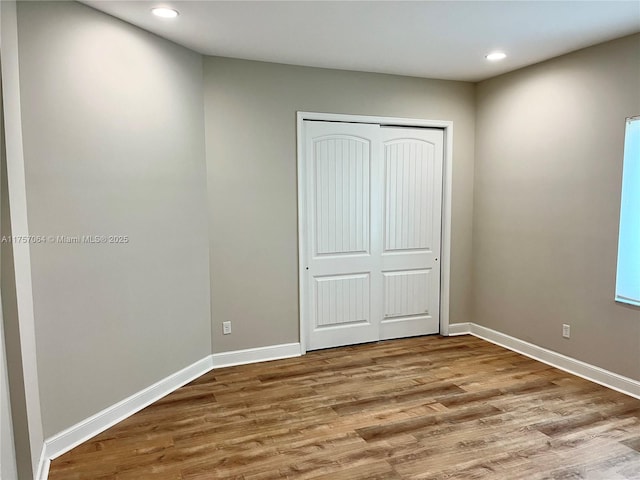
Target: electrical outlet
(226,328)
(566,330)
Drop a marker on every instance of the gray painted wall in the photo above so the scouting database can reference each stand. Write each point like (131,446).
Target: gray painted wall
(549,146)
(8,463)
(114,134)
(17,295)
(13,348)
(114,145)
(8,466)
(250,111)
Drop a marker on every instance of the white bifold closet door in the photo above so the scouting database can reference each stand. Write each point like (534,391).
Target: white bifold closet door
(372,196)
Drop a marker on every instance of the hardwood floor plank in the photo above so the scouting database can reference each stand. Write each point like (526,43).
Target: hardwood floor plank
(421,408)
(415,425)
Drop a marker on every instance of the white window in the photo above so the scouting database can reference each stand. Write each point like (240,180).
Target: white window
(628,278)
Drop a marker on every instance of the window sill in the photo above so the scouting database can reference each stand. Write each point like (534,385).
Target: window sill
(627,301)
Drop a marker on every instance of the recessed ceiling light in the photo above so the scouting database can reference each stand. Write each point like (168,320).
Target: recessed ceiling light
(495,56)
(164,12)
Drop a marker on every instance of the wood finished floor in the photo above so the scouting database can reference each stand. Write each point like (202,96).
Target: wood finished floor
(420,408)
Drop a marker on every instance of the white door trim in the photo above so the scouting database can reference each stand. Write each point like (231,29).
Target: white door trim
(445,255)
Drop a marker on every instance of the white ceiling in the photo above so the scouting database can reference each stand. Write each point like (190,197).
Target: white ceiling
(434,39)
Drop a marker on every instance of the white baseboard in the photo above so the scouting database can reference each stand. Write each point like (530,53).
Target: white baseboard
(253,355)
(81,432)
(587,371)
(459,329)
(66,440)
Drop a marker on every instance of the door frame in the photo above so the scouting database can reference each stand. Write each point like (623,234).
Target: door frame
(447,171)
